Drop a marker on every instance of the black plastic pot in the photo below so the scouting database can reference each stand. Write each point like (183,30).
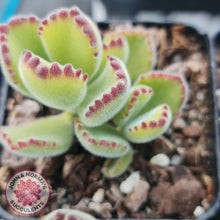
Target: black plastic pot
(212,213)
(215,51)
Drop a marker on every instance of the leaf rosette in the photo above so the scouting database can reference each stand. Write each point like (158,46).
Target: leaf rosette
(106,87)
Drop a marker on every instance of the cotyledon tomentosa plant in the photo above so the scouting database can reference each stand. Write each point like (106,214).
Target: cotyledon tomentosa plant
(63,63)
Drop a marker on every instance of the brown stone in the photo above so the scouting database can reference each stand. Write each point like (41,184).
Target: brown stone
(114,194)
(70,163)
(48,166)
(15,162)
(95,175)
(193,156)
(24,112)
(121,210)
(10,104)
(157,193)
(82,205)
(178,172)
(192,131)
(18,97)
(102,210)
(4,177)
(138,196)
(179,123)
(182,197)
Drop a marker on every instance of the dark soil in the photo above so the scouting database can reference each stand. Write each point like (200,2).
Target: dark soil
(177,190)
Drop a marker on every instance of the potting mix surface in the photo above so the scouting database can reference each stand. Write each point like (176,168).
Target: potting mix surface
(183,185)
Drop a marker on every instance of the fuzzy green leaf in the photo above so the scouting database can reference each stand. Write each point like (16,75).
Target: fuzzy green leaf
(68,214)
(150,125)
(60,87)
(19,34)
(102,141)
(139,97)
(50,136)
(115,167)
(107,95)
(117,47)
(169,89)
(141,51)
(69,36)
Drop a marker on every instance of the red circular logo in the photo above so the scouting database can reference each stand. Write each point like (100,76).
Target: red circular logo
(27,192)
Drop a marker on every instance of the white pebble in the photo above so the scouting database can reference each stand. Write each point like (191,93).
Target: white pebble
(148,210)
(31,107)
(128,185)
(200,96)
(194,66)
(66,206)
(181,150)
(99,196)
(134,176)
(178,141)
(176,160)
(193,114)
(199,210)
(161,160)
(179,123)
(205,204)
(217,93)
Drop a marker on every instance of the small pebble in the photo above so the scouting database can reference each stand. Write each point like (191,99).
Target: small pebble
(82,204)
(135,176)
(181,150)
(193,114)
(161,160)
(200,117)
(194,66)
(60,192)
(205,204)
(192,131)
(114,194)
(4,176)
(24,112)
(10,104)
(179,123)
(209,184)
(61,202)
(148,210)
(178,141)
(179,196)
(103,210)
(200,96)
(18,97)
(99,195)
(176,160)
(139,195)
(199,210)
(66,206)
(128,185)
(217,92)
(169,131)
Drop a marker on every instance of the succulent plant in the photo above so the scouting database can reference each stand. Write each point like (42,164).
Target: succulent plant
(106,87)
